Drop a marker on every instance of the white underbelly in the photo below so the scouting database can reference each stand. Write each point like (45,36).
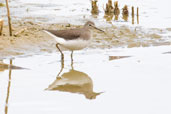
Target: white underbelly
(75,44)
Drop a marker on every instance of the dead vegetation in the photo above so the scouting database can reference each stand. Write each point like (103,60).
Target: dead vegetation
(1,26)
(94,9)
(112,10)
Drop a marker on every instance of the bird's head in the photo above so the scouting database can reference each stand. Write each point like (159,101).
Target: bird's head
(90,25)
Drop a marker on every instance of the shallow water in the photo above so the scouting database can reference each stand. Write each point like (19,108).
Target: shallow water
(153,13)
(98,84)
(118,80)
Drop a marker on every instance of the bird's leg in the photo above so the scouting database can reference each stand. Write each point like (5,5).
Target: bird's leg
(62,67)
(62,55)
(72,59)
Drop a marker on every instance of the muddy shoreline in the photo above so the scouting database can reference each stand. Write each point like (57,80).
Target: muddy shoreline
(34,41)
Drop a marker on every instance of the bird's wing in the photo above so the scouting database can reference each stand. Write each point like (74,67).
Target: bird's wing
(66,34)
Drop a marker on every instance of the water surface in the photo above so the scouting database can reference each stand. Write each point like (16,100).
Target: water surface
(98,84)
(122,80)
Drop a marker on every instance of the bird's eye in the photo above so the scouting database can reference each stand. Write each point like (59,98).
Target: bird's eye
(89,24)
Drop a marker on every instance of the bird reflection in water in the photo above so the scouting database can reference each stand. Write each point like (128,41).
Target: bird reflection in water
(74,82)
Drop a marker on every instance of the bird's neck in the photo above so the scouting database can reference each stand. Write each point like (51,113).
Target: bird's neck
(86,28)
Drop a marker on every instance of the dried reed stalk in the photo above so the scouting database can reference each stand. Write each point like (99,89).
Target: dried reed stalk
(132,14)
(1,26)
(137,15)
(9,18)
(19,32)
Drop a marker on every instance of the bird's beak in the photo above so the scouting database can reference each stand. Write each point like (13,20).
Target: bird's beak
(97,28)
